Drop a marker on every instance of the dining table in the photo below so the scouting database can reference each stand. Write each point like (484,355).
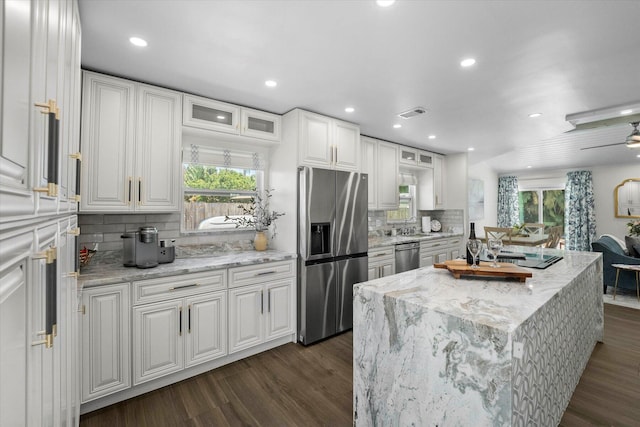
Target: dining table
(523,239)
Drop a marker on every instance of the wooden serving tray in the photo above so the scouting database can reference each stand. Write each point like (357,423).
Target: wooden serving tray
(459,267)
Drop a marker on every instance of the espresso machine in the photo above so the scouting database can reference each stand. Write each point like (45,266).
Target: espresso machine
(140,248)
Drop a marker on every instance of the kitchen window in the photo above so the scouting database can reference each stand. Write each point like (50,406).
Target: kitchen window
(406,211)
(217,183)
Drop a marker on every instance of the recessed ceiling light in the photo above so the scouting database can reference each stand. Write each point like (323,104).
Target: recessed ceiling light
(534,115)
(432,137)
(467,62)
(529,167)
(626,112)
(137,41)
(349,109)
(470,149)
(637,155)
(385,3)
(271,83)
(397,126)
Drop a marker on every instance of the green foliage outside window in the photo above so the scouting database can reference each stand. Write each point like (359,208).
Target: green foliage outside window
(214,178)
(552,207)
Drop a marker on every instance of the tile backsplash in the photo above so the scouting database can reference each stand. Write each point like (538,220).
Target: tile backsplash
(452,220)
(105,231)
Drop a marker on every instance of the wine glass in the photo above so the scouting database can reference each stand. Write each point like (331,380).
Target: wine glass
(494,245)
(474,246)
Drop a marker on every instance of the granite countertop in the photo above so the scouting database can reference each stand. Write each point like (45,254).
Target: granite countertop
(499,303)
(380,241)
(109,272)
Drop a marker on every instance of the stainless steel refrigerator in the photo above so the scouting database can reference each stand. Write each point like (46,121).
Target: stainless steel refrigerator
(332,252)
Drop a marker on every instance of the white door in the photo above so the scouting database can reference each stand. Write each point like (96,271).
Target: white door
(438,183)
(259,124)
(368,165)
(15,251)
(16,197)
(373,271)
(279,308)
(158,340)
(206,329)
(106,359)
(108,182)
(158,142)
(315,140)
(347,146)
(246,313)
(41,388)
(387,176)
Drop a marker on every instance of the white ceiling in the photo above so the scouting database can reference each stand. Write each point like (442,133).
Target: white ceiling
(553,57)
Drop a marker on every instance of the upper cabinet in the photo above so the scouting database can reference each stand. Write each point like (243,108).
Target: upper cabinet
(431,183)
(413,157)
(326,142)
(380,162)
(208,114)
(131,141)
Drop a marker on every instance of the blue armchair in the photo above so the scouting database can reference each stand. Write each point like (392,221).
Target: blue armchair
(612,253)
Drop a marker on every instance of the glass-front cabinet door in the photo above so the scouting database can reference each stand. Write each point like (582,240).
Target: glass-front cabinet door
(425,159)
(259,124)
(206,113)
(408,156)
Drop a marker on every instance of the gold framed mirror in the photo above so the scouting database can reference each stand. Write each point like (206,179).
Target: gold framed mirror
(626,198)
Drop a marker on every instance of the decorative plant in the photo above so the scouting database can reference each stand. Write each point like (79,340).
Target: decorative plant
(256,213)
(517,228)
(634,227)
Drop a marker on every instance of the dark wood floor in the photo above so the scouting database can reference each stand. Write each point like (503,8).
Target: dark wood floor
(295,385)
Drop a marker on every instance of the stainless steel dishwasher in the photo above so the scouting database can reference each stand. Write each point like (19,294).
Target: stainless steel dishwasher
(407,256)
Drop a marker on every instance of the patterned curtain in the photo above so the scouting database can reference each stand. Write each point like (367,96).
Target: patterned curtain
(579,211)
(508,209)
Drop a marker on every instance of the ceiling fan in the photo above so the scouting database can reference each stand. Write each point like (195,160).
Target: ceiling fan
(632,141)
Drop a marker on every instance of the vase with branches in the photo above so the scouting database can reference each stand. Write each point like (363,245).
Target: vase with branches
(257,215)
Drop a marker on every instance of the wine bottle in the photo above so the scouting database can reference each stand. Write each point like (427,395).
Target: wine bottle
(472,235)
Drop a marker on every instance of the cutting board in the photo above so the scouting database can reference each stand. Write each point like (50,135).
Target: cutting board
(507,270)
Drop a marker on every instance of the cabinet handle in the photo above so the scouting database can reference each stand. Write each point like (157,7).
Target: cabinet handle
(175,288)
(139,191)
(336,157)
(129,198)
(261,302)
(269,301)
(262,273)
(180,321)
(189,319)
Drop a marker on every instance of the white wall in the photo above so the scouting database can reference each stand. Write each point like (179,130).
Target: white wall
(484,173)
(605,179)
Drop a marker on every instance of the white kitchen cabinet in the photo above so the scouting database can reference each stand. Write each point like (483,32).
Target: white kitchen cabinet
(439,250)
(206,333)
(380,162)
(382,262)
(106,328)
(261,301)
(158,347)
(433,252)
(424,159)
(131,143)
(178,322)
(204,113)
(328,143)
(438,181)
(408,156)
(16,249)
(246,320)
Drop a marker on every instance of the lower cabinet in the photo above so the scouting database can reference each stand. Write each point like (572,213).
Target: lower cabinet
(260,312)
(438,251)
(105,325)
(172,335)
(382,262)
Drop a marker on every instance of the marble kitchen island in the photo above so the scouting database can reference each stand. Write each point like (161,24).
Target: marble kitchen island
(433,350)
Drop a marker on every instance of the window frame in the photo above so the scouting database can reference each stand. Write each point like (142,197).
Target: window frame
(261,184)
